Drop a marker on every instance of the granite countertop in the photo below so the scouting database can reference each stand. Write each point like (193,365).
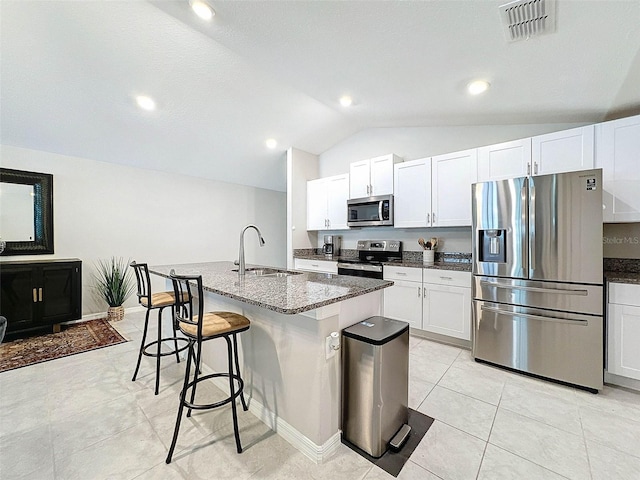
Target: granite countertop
(292,294)
(622,277)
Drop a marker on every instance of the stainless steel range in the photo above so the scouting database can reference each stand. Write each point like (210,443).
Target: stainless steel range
(371,256)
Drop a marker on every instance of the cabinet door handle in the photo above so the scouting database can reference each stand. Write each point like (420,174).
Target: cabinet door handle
(401,274)
(428,218)
(35,295)
(433,217)
(528,169)
(40,294)
(419,288)
(424,292)
(446,278)
(535,168)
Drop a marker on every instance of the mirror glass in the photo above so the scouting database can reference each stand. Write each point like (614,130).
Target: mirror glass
(26,212)
(17,213)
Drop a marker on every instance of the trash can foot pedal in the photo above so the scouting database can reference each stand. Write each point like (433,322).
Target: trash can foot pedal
(399,438)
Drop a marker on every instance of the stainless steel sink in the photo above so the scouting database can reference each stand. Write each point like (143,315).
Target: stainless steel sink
(267,272)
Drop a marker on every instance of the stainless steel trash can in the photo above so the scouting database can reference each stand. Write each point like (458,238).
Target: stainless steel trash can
(375,382)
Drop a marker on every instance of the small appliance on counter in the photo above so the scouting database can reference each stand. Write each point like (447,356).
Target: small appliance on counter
(332,245)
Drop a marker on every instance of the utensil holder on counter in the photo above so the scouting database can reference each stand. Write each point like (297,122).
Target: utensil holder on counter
(428,256)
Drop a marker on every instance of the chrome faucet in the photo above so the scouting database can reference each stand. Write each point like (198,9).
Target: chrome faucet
(241,265)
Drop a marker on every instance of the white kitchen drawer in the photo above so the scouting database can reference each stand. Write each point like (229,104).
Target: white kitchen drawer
(446,277)
(624,294)
(323,266)
(408,274)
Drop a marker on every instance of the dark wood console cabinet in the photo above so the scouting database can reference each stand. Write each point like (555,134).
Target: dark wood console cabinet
(39,294)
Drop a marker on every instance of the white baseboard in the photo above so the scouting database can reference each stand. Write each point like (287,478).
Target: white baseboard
(620,381)
(317,453)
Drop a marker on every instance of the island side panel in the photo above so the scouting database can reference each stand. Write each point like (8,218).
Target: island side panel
(284,364)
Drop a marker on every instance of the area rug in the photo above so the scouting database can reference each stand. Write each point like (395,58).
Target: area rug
(392,462)
(72,339)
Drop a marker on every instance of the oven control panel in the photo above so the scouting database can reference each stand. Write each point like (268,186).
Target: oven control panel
(380,245)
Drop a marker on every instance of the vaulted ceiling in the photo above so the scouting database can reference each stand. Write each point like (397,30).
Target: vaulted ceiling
(70,71)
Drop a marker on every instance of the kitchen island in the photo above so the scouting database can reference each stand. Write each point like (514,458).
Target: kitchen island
(292,381)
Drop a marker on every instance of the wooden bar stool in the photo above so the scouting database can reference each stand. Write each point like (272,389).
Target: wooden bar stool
(155,301)
(199,328)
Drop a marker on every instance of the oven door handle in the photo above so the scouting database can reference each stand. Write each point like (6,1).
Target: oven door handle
(361,267)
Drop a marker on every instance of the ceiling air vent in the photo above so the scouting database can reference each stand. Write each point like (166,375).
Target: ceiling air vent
(524,19)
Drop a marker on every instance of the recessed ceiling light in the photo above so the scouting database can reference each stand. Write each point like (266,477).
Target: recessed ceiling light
(146,103)
(477,87)
(346,101)
(271,143)
(202,9)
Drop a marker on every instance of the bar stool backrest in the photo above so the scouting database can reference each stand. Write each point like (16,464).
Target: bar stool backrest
(184,289)
(144,282)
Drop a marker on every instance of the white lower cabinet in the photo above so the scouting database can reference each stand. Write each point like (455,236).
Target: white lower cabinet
(403,301)
(437,301)
(623,330)
(447,303)
(320,266)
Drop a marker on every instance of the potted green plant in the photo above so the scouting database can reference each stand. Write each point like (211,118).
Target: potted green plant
(114,284)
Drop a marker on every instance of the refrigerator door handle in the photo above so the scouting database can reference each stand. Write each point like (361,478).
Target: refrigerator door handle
(524,195)
(581,323)
(557,291)
(532,225)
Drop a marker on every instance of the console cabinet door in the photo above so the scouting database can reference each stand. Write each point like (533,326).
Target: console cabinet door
(618,154)
(19,297)
(623,356)
(359,179)
(59,294)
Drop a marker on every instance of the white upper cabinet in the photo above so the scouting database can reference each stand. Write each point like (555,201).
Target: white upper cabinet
(327,203)
(436,191)
(373,177)
(412,198)
(451,178)
(504,160)
(564,151)
(618,154)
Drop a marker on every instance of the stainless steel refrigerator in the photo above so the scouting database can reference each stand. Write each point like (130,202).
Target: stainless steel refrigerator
(537,276)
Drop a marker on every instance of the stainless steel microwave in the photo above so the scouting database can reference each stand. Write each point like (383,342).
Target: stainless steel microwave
(370,211)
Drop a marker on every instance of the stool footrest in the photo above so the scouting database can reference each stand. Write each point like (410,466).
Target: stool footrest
(206,406)
(173,351)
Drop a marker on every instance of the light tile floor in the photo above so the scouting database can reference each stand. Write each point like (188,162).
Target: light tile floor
(81,417)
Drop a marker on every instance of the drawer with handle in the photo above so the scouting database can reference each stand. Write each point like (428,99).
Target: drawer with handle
(447,277)
(408,274)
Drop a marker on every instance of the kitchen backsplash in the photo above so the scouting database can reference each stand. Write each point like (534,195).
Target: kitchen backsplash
(621,240)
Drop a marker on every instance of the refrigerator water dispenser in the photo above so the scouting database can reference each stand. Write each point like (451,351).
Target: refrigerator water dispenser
(493,245)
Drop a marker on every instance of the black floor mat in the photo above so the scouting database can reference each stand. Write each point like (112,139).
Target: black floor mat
(392,462)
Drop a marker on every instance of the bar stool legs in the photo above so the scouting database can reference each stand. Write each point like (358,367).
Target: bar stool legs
(194,357)
(158,353)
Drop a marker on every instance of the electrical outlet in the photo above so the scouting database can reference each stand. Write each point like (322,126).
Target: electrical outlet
(329,351)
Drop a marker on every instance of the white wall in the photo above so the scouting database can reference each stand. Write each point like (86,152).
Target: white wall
(103,209)
(301,167)
(418,142)
(411,143)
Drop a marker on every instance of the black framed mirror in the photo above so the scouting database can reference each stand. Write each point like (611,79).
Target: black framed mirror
(26,216)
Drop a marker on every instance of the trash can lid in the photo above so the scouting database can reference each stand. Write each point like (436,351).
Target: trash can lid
(376,330)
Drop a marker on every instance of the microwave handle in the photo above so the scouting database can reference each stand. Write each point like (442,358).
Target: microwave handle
(380,209)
